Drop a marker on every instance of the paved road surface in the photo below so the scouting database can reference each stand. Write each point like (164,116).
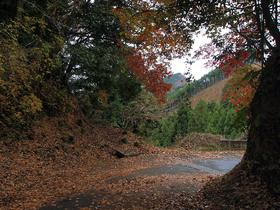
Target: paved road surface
(173,166)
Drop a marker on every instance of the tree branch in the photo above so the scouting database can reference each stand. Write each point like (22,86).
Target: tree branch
(269,23)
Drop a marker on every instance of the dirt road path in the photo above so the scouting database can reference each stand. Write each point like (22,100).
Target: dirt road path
(150,181)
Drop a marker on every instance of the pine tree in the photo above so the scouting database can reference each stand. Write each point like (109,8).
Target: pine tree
(199,119)
(183,117)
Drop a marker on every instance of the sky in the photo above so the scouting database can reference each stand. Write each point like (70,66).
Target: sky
(197,68)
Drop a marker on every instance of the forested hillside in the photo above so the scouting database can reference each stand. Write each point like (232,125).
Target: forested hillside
(196,86)
(206,110)
(213,92)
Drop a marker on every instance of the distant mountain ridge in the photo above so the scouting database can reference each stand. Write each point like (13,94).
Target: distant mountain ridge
(176,80)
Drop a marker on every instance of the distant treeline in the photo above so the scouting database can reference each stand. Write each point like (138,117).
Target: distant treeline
(204,82)
(217,119)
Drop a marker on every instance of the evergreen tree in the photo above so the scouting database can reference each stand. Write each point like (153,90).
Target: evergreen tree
(183,117)
(167,130)
(213,117)
(199,119)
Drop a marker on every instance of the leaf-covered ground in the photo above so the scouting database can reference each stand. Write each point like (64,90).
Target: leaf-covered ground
(75,165)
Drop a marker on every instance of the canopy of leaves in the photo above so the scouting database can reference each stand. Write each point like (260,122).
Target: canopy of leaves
(28,58)
(154,32)
(251,35)
(241,90)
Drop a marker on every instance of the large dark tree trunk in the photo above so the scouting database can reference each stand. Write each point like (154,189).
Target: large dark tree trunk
(263,152)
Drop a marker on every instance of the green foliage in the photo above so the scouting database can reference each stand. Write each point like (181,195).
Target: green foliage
(215,119)
(183,117)
(199,119)
(95,61)
(205,118)
(166,132)
(124,140)
(29,60)
(124,132)
(193,88)
(241,120)
(24,88)
(61,123)
(136,144)
(167,128)
(68,138)
(134,114)
(95,70)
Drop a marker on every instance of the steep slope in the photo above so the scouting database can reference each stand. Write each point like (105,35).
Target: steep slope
(209,87)
(57,158)
(213,92)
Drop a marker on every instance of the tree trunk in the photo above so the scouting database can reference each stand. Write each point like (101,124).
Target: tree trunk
(263,149)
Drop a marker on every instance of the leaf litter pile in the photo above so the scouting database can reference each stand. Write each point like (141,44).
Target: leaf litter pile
(64,160)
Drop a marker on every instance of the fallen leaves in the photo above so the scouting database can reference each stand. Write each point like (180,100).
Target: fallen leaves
(35,172)
(238,189)
(42,171)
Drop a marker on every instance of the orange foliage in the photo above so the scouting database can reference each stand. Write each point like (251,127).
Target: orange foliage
(152,29)
(102,98)
(231,54)
(241,91)
(229,62)
(153,37)
(153,79)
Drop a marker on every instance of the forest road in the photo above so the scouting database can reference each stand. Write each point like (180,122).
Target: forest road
(150,182)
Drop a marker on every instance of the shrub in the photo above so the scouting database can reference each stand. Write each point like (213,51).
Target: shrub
(83,130)
(136,144)
(80,122)
(69,139)
(124,140)
(61,123)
